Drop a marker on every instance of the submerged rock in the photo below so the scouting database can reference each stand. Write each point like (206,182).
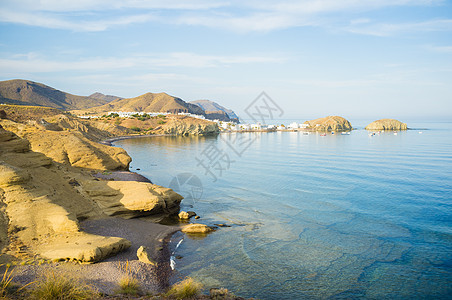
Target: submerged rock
(387,124)
(186,215)
(197,228)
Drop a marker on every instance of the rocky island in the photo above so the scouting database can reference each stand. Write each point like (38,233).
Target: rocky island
(387,124)
(330,123)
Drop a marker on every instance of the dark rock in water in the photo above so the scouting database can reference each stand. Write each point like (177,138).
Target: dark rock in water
(2,114)
(179,257)
(222,225)
(191,213)
(138,169)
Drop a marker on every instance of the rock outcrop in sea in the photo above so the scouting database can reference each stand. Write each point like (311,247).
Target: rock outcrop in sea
(387,124)
(330,123)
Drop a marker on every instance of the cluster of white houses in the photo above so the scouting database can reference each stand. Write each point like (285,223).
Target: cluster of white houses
(131,114)
(225,126)
(230,126)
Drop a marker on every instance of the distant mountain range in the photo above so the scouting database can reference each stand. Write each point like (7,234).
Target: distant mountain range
(216,111)
(160,102)
(25,92)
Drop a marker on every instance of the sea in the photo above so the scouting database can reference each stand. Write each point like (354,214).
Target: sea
(305,216)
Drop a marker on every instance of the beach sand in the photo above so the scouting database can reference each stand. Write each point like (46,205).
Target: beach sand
(105,275)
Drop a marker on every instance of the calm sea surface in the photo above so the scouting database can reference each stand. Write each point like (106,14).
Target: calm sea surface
(340,216)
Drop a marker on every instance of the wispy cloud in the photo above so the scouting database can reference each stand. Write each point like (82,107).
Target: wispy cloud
(34,63)
(440,49)
(243,16)
(386,29)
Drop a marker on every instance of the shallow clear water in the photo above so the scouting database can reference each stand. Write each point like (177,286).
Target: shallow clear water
(340,216)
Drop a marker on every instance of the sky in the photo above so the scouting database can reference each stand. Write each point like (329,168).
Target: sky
(354,58)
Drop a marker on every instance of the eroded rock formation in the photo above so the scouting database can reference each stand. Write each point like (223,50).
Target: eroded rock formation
(387,124)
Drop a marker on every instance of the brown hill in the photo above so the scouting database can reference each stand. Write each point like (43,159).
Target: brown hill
(106,98)
(25,92)
(149,102)
(330,123)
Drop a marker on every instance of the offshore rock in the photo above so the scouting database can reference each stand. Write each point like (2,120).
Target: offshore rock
(197,228)
(387,124)
(331,123)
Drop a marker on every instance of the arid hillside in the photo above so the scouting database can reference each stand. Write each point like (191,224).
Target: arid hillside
(26,92)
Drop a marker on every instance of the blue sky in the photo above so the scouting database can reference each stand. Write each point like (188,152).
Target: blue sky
(354,58)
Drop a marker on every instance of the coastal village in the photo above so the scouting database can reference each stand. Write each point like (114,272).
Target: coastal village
(230,126)
(71,203)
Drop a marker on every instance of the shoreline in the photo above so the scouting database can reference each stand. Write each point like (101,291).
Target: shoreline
(110,141)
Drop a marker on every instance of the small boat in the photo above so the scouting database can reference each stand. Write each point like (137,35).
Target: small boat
(420,132)
(332,132)
(395,133)
(323,134)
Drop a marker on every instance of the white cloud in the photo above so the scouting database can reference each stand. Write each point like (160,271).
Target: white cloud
(100,5)
(440,49)
(34,63)
(385,29)
(244,16)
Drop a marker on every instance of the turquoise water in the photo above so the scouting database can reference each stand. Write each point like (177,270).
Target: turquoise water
(340,216)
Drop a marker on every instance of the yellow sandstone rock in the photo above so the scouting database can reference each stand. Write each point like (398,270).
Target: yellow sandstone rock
(387,124)
(331,123)
(197,228)
(44,200)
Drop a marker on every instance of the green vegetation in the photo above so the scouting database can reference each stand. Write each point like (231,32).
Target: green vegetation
(128,286)
(161,122)
(135,128)
(188,288)
(52,287)
(113,115)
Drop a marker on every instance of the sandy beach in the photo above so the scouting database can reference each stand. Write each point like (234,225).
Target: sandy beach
(105,275)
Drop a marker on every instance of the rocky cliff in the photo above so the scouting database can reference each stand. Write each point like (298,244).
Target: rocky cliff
(387,124)
(189,126)
(44,199)
(331,123)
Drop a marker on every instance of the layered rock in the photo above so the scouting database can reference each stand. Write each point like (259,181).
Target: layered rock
(188,126)
(387,124)
(196,228)
(130,199)
(66,143)
(330,123)
(44,201)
